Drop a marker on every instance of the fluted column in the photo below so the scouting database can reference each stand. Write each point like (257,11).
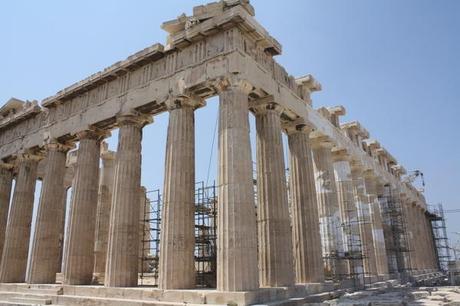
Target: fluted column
(274,228)
(16,247)
(377,227)
(104,204)
(177,235)
(409,256)
(236,231)
(79,259)
(123,245)
(308,258)
(364,217)
(6,180)
(329,211)
(348,211)
(48,227)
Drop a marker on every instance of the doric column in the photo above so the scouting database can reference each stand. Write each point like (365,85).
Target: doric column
(348,211)
(123,245)
(16,247)
(308,258)
(376,221)
(104,203)
(177,235)
(236,231)
(364,215)
(329,211)
(48,227)
(79,259)
(6,180)
(409,255)
(274,228)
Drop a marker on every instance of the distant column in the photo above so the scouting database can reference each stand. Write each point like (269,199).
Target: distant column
(376,221)
(274,228)
(104,204)
(365,225)
(306,238)
(177,235)
(123,245)
(79,259)
(236,231)
(48,227)
(16,247)
(329,211)
(6,181)
(348,211)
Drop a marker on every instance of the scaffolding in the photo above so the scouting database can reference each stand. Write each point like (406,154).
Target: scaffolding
(205,236)
(397,241)
(439,232)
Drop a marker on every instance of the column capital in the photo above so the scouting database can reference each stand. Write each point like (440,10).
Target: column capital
(263,105)
(340,154)
(227,83)
(356,166)
(319,140)
(93,133)
(55,145)
(30,154)
(299,125)
(6,165)
(192,101)
(133,118)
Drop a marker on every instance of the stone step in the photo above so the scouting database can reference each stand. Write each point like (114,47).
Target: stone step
(33,301)
(106,301)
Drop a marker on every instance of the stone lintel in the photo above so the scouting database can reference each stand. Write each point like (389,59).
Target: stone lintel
(16,110)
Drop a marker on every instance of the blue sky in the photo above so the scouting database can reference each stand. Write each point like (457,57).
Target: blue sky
(393,64)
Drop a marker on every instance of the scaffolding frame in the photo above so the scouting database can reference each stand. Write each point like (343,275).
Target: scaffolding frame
(205,236)
(398,246)
(439,235)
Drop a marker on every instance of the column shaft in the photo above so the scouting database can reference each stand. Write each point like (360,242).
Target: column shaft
(103,215)
(79,259)
(48,227)
(329,211)
(16,247)
(236,238)
(6,181)
(365,225)
(274,229)
(177,241)
(123,246)
(306,238)
(377,227)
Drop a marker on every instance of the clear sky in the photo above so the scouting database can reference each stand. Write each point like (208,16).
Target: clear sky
(394,65)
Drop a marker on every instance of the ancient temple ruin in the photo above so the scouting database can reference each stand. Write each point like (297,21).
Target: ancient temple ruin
(345,218)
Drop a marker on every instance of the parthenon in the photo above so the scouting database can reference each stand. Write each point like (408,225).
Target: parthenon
(341,217)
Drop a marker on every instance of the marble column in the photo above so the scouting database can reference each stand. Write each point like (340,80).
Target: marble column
(409,256)
(104,204)
(79,259)
(365,225)
(177,235)
(274,229)
(123,246)
(17,236)
(306,238)
(376,221)
(48,227)
(6,181)
(348,211)
(236,230)
(329,211)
